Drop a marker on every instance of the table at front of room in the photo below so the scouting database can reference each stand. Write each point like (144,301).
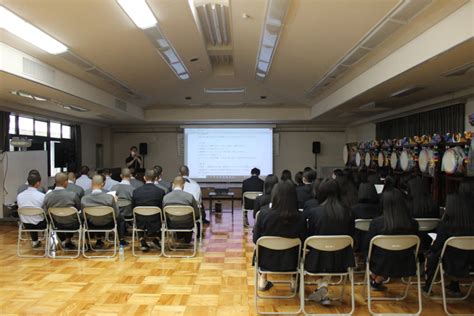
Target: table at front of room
(221,196)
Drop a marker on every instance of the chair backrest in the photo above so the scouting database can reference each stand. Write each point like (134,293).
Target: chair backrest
(427,224)
(459,242)
(62,211)
(98,211)
(146,210)
(328,243)
(279,244)
(178,210)
(30,211)
(251,195)
(395,242)
(123,203)
(362,224)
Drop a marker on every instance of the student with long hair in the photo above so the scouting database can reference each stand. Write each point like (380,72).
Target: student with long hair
(312,203)
(458,220)
(299,178)
(286,175)
(284,220)
(331,217)
(348,189)
(395,220)
(264,199)
(367,207)
(420,202)
(303,192)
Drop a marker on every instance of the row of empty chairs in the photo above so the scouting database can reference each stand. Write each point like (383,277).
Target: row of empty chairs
(83,229)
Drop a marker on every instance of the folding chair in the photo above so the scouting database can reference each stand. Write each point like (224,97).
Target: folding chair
(250,195)
(362,225)
(123,206)
(146,211)
(427,224)
(31,211)
(279,244)
(462,243)
(62,215)
(327,244)
(99,211)
(393,243)
(179,211)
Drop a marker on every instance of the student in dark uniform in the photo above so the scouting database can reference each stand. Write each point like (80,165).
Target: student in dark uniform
(331,217)
(284,220)
(263,200)
(457,221)
(304,192)
(252,184)
(395,220)
(420,202)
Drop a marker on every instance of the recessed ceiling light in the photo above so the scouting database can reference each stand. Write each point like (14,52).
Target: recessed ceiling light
(74,108)
(263,97)
(188,98)
(30,33)
(139,12)
(194,59)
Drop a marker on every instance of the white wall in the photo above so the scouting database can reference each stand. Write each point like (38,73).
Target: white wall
(90,136)
(359,133)
(295,149)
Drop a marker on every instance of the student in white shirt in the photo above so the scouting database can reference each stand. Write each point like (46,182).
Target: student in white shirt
(31,197)
(109,182)
(193,187)
(84,181)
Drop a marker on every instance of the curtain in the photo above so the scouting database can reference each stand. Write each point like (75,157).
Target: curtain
(440,121)
(76,137)
(4,129)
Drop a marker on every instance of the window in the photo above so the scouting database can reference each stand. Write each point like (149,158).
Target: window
(25,126)
(55,130)
(12,124)
(66,131)
(41,128)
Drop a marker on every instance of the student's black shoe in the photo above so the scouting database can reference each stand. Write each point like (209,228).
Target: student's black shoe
(205,221)
(377,286)
(99,244)
(123,243)
(144,246)
(68,245)
(453,290)
(156,243)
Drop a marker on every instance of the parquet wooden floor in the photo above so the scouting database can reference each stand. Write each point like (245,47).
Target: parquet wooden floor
(219,281)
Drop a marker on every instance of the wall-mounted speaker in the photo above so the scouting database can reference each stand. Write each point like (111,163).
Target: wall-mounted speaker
(143,148)
(316,147)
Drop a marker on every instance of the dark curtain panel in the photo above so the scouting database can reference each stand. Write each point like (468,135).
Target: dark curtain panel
(4,128)
(440,121)
(76,136)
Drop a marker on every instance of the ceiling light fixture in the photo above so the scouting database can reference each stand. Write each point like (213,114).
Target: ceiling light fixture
(28,95)
(272,26)
(30,33)
(224,90)
(139,12)
(74,108)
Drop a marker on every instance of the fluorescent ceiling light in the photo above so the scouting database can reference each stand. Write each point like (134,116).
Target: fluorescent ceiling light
(276,13)
(224,90)
(74,108)
(28,95)
(30,33)
(139,12)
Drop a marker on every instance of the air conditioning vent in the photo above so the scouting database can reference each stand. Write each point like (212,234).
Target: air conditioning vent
(460,71)
(106,117)
(78,61)
(38,71)
(406,91)
(410,9)
(121,105)
(382,33)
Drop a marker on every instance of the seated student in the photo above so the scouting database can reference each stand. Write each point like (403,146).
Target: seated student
(420,202)
(32,197)
(304,192)
(179,197)
(89,191)
(252,184)
(124,192)
(60,197)
(263,200)
(457,221)
(26,185)
(282,219)
(109,182)
(136,183)
(395,220)
(313,202)
(84,181)
(71,186)
(348,189)
(194,188)
(299,178)
(99,198)
(286,175)
(149,195)
(159,179)
(368,207)
(331,217)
